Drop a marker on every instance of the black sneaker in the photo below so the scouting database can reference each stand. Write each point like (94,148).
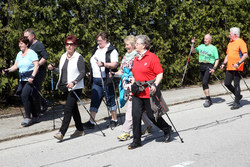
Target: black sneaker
(235,106)
(167,134)
(207,103)
(45,108)
(134,145)
(35,120)
(88,125)
(113,124)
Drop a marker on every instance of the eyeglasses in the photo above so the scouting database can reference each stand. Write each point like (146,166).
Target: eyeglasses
(138,43)
(99,41)
(70,44)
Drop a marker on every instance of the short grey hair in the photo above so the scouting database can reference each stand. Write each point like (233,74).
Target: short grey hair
(144,39)
(30,31)
(210,36)
(235,30)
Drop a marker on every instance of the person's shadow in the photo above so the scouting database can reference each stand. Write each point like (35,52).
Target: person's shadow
(218,100)
(158,135)
(55,111)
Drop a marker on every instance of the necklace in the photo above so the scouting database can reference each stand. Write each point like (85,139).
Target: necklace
(69,56)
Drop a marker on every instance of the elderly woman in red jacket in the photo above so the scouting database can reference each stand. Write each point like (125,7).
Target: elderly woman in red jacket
(146,67)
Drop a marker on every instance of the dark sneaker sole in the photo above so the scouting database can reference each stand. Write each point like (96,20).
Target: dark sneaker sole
(131,148)
(234,108)
(86,127)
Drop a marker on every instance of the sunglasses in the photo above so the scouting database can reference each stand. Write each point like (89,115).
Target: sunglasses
(70,44)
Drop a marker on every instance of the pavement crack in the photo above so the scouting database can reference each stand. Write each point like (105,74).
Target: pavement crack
(216,122)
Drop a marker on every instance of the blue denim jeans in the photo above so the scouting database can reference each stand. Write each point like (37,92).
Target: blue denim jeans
(97,94)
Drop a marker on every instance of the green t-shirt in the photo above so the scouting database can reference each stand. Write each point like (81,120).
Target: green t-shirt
(207,53)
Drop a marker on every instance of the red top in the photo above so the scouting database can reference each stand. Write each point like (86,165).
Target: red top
(146,69)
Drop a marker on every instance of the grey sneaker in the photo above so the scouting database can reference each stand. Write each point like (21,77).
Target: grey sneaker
(26,122)
(77,133)
(59,136)
(207,103)
(235,106)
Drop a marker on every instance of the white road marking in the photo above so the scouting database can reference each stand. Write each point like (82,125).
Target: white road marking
(183,164)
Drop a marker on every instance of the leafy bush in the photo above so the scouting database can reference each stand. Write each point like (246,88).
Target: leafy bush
(170,25)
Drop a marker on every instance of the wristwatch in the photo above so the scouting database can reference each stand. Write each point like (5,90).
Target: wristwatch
(74,83)
(32,76)
(102,64)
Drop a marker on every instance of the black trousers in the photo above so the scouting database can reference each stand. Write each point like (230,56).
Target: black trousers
(205,74)
(71,109)
(233,76)
(28,99)
(38,82)
(138,106)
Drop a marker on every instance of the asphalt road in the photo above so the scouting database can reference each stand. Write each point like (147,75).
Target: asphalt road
(213,137)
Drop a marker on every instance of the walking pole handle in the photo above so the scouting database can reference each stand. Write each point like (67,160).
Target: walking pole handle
(191,48)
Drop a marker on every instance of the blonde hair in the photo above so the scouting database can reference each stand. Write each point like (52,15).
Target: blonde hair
(130,39)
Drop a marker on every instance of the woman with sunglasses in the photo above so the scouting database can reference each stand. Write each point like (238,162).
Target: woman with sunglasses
(71,72)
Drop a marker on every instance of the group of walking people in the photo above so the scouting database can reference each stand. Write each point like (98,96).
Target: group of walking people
(236,54)
(31,63)
(140,72)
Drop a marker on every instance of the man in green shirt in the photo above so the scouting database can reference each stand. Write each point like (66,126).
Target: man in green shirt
(209,60)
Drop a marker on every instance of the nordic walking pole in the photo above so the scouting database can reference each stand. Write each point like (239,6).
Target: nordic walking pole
(187,62)
(243,79)
(5,73)
(21,111)
(116,98)
(223,85)
(104,90)
(88,112)
(52,89)
(47,102)
(161,106)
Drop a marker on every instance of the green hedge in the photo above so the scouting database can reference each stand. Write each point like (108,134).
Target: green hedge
(170,25)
